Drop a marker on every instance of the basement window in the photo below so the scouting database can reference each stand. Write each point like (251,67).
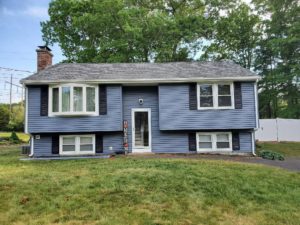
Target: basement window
(214,141)
(76,144)
(73,99)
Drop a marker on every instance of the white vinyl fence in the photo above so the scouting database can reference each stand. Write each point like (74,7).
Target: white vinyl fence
(278,130)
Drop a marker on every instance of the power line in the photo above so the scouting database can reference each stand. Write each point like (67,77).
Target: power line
(17,70)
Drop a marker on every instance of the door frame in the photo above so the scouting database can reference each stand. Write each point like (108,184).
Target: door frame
(137,149)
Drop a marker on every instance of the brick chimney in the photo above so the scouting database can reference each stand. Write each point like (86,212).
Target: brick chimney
(44,57)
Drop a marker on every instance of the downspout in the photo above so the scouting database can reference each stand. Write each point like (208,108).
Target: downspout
(253,143)
(31,146)
(257,118)
(26,123)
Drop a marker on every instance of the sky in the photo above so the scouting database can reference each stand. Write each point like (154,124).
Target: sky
(20,34)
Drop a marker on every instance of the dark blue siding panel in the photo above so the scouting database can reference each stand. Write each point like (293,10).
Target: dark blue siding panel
(246,142)
(43,146)
(174,112)
(43,124)
(114,140)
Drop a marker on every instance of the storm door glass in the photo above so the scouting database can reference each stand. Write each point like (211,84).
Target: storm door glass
(141,129)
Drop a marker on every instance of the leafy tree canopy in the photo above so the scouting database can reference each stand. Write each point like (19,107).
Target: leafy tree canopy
(131,30)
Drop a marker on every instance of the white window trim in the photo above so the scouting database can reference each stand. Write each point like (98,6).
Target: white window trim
(72,113)
(215,91)
(214,142)
(77,145)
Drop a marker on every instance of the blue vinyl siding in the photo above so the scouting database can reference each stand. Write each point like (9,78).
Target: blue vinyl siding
(161,141)
(171,119)
(114,140)
(165,142)
(43,146)
(174,112)
(44,124)
(245,142)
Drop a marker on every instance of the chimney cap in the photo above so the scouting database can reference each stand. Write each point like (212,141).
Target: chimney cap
(44,47)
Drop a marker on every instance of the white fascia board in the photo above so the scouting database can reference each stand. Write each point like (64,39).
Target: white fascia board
(145,81)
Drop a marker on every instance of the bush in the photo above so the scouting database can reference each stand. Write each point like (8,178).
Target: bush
(271,155)
(14,139)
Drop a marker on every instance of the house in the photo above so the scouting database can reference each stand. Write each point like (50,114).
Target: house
(180,107)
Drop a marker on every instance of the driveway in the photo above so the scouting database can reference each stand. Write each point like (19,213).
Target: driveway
(290,163)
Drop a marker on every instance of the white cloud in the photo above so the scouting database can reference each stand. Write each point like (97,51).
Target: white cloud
(36,11)
(32,11)
(7,12)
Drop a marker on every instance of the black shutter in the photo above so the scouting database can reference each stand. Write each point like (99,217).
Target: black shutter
(238,95)
(99,143)
(55,144)
(235,141)
(102,100)
(193,97)
(192,142)
(44,100)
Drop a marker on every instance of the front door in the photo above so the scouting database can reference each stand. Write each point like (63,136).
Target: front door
(141,130)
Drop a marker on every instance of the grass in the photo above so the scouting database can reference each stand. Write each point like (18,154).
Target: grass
(145,191)
(288,149)
(22,136)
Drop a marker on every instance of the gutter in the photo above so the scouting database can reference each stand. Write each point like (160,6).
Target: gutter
(142,81)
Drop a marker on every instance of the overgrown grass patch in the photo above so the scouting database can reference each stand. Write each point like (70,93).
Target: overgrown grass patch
(145,191)
(288,149)
(24,137)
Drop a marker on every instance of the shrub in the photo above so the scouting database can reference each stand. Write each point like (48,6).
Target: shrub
(266,154)
(14,139)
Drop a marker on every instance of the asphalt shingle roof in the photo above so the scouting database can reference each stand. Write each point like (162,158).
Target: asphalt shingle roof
(139,71)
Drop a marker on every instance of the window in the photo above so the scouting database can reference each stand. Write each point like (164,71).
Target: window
(205,141)
(86,144)
(215,96)
(90,99)
(66,99)
(206,96)
(55,100)
(77,144)
(73,99)
(68,144)
(224,95)
(219,141)
(223,141)
(77,99)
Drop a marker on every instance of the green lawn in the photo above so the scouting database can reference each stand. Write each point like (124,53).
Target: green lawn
(22,136)
(286,148)
(145,191)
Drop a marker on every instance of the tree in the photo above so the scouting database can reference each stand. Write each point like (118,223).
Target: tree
(130,31)
(236,36)
(278,60)
(4,117)
(16,123)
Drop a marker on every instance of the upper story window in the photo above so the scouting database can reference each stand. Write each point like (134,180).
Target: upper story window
(215,96)
(73,99)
